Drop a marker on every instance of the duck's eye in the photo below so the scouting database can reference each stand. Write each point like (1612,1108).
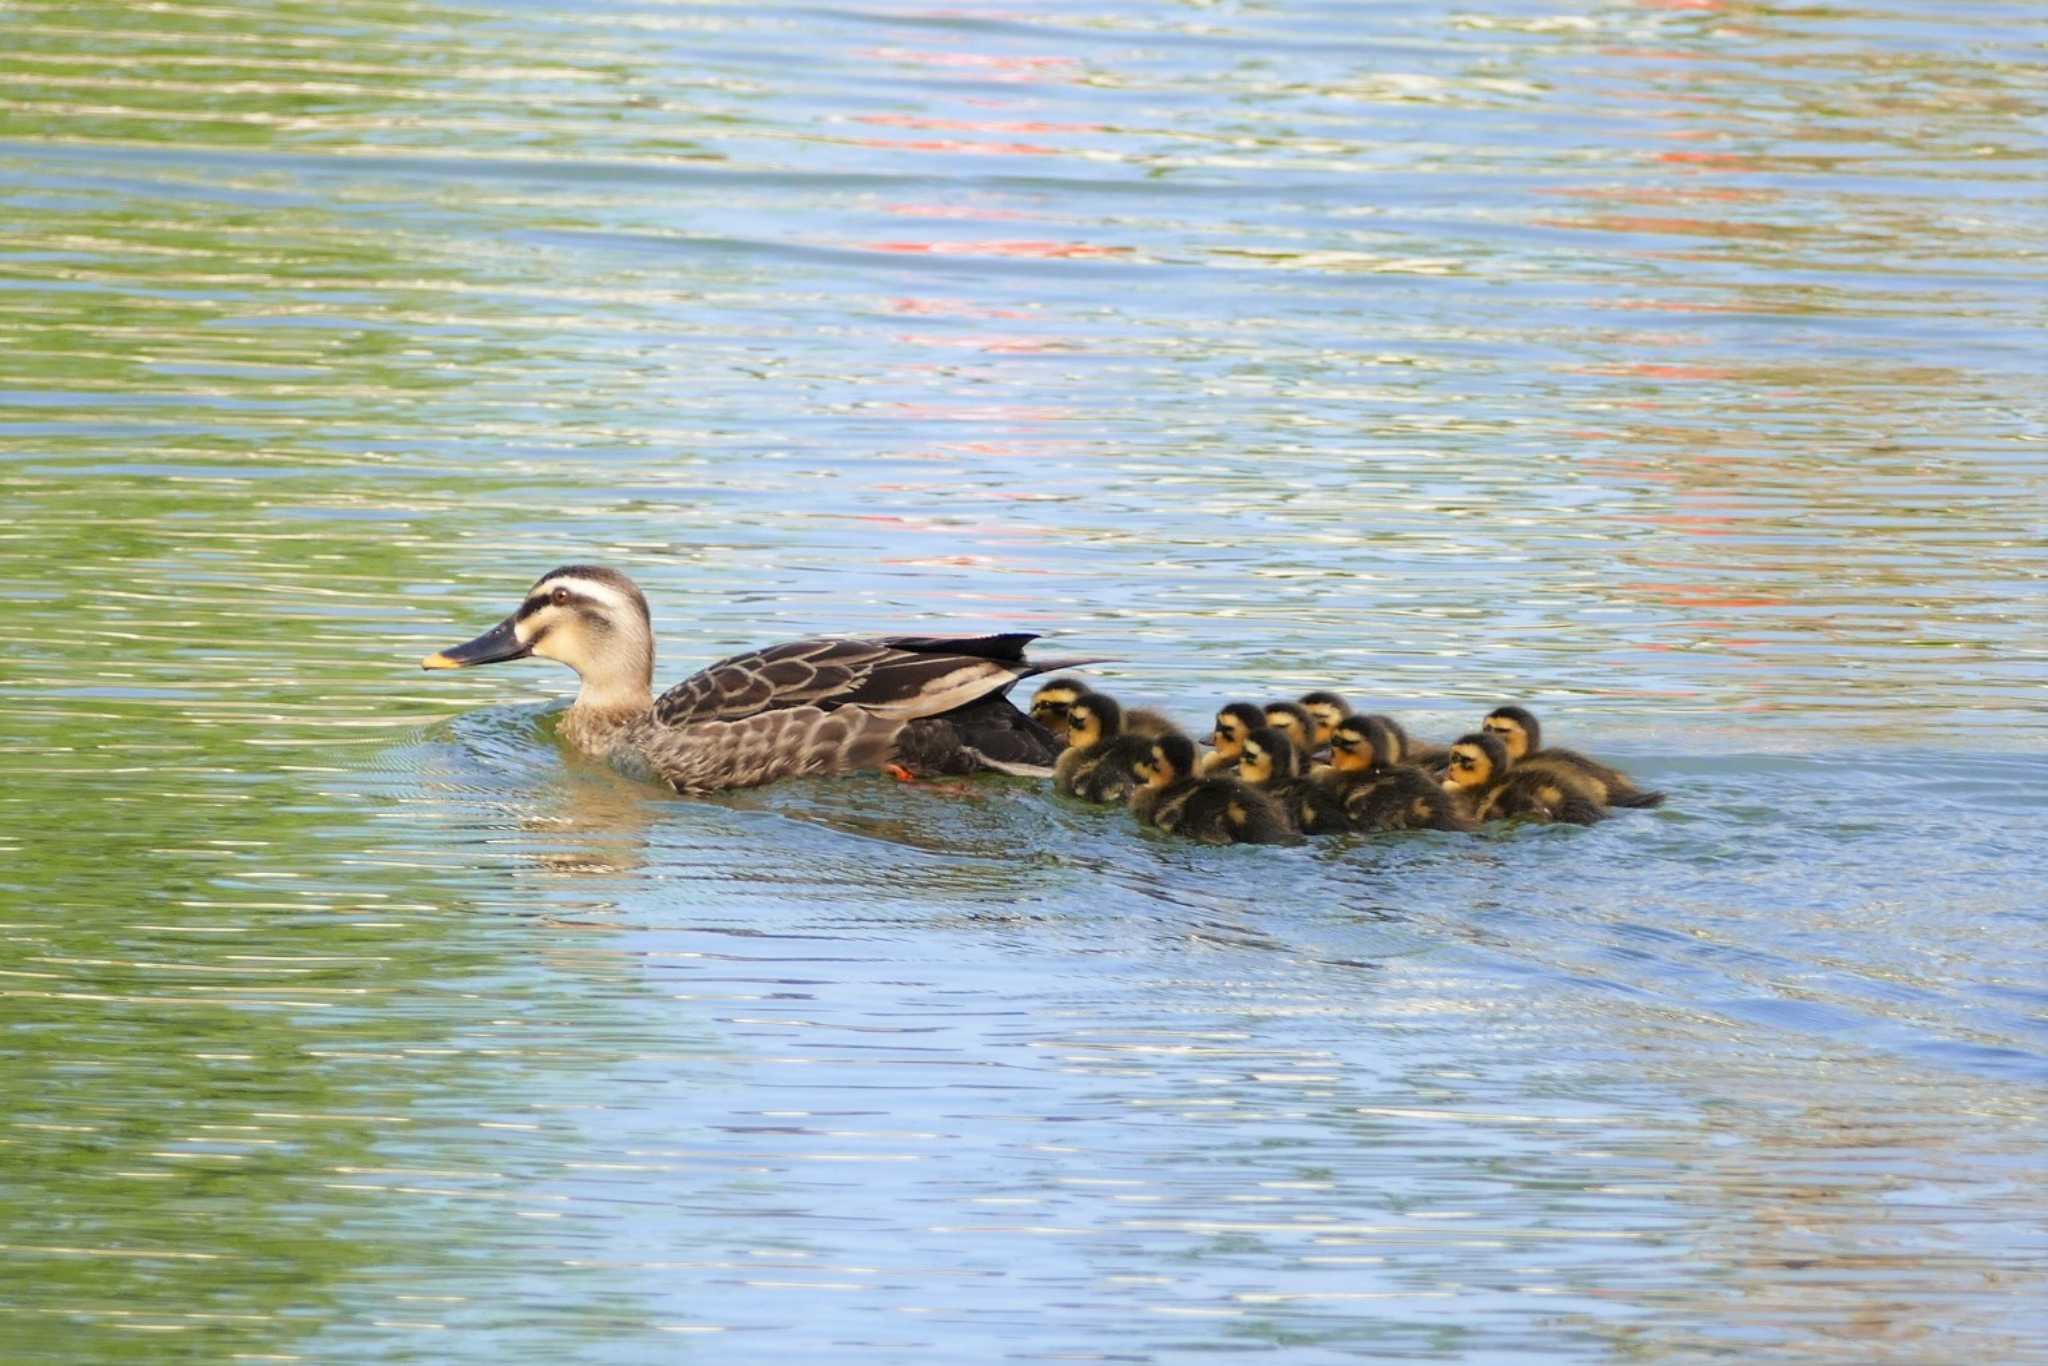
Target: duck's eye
(560,597)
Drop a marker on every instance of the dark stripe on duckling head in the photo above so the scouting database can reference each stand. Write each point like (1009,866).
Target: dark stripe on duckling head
(1177,752)
(1520,716)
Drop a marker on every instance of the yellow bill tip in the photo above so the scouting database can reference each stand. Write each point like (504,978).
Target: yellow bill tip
(437,660)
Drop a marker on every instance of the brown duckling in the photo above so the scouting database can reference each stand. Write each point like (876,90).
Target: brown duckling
(1272,764)
(1213,810)
(1049,704)
(1234,722)
(1481,777)
(1292,720)
(1164,776)
(1226,811)
(1327,709)
(1402,798)
(1359,745)
(1096,766)
(1419,753)
(1518,729)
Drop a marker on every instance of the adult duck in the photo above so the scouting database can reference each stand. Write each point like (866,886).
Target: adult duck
(912,705)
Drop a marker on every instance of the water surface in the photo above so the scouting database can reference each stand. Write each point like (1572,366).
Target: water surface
(1673,367)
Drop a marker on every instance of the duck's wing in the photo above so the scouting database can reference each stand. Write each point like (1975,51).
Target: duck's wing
(901,677)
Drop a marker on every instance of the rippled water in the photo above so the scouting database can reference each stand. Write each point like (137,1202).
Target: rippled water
(1674,365)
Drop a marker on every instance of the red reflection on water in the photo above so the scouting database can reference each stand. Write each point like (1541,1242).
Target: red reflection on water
(974,212)
(1041,250)
(992,342)
(1010,69)
(1711,161)
(999,149)
(1674,194)
(978,125)
(1691,523)
(951,308)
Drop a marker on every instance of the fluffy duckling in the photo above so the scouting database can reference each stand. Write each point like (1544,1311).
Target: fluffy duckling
(1049,704)
(1327,709)
(1402,798)
(1359,745)
(1213,810)
(1164,776)
(1096,766)
(1226,811)
(1480,776)
(1518,729)
(1419,753)
(1272,764)
(1293,720)
(1233,723)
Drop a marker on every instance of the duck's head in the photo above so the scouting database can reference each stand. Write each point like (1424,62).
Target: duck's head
(1292,720)
(1328,709)
(1171,760)
(1093,718)
(1516,727)
(1049,704)
(1268,755)
(1233,723)
(590,618)
(1477,759)
(1360,744)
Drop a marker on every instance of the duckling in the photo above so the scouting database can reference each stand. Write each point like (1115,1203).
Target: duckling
(1359,745)
(1272,764)
(1402,798)
(1292,720)
(1165,776)
(1214,810)
(1519,730)
(1226,811)
(1481,778)
(1049,704)
(1419,753)
(1235,721)
(1328,709)
(1096,766)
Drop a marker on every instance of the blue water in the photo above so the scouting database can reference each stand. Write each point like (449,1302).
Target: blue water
(1670,367)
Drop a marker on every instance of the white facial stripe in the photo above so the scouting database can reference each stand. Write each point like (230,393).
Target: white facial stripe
(582,587)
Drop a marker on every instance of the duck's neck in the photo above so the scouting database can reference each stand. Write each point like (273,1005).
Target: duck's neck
(609,701)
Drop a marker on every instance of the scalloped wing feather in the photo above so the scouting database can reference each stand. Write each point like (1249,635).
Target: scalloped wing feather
(905,677)
(789,742)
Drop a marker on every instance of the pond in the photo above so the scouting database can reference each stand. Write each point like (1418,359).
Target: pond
(1671,366)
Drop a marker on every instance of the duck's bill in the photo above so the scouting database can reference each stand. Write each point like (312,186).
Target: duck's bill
(498,643)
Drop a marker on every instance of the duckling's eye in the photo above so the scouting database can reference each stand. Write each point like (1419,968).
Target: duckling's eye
(1463,761)
(560,597)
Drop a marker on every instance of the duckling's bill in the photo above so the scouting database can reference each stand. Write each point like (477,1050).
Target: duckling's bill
(501,642)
